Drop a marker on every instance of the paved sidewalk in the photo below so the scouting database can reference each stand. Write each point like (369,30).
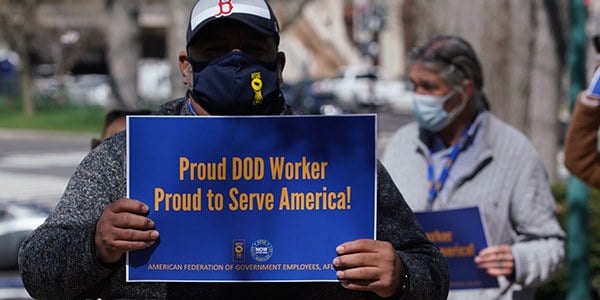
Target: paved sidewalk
(17,185)
(45,190)
(38,134)
(36,166)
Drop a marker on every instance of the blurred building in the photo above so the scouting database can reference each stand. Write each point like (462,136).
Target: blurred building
(87,20)
(320,38)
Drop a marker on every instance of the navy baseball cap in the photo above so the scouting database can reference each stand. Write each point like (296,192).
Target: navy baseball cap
(255,13)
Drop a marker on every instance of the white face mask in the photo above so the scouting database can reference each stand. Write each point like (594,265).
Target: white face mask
(429,110)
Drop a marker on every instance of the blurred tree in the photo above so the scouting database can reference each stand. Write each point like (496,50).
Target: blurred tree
(124,49)
(323,30)
(179,11)
(522,54)
(17,26)
(288,12)
(65,48)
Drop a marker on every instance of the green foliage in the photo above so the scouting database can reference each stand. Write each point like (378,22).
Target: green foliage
(54,117)
(558,287)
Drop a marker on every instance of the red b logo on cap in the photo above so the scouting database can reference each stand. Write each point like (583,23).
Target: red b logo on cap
(225,8)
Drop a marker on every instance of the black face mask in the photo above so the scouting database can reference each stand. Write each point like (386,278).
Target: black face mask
(236,84)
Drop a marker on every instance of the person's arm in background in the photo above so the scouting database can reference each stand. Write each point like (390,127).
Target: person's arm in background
(581,144)
(539,247)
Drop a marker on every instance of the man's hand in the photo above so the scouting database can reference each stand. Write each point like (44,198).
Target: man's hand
(369,265)
(123,227)
(496,260)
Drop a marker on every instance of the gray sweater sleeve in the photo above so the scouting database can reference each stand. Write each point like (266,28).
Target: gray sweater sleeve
(539,248)
(426,267)
(57,260)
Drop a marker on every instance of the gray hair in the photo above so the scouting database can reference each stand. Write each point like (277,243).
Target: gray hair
(453,59)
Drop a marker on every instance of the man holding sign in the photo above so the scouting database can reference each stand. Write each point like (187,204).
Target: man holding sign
(232,45)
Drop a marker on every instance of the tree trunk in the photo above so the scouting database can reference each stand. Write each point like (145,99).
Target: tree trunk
(176,40)
(17,25)
(124,50)
(520,65)
(546,91)
(26,84)
(393,56)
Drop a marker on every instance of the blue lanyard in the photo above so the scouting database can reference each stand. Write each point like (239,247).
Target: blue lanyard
(191,108)
(435,186)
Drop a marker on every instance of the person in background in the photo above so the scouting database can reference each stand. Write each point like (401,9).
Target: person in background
(114,122)
(582,158)
(79,251)
(457,154)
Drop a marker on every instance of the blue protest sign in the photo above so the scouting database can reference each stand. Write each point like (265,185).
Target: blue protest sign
(250,198)
(460,235)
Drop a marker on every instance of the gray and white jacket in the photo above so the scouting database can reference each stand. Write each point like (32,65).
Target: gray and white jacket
(505,177)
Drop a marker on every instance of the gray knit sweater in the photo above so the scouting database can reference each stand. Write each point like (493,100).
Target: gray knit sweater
(58,261)
(507,179)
